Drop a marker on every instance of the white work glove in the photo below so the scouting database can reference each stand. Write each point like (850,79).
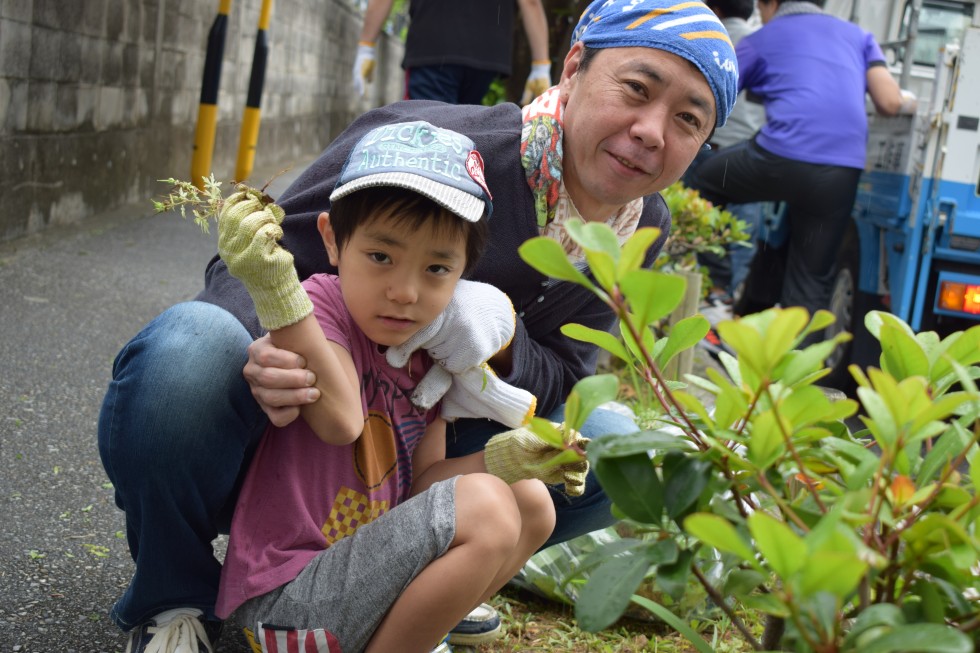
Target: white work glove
(909,102)
(538,81)
(477,323)
(478,392)
(363,73)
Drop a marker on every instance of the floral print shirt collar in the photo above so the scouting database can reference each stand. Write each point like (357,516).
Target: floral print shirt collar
(541,156)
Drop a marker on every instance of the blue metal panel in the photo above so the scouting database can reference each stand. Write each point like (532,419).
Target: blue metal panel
(883,198)
(882,216)
(960,202)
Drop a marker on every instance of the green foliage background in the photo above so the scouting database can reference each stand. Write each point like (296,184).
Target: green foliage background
(852,524)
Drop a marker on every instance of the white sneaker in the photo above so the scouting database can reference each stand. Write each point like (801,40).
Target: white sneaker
(481,625)
(175,631)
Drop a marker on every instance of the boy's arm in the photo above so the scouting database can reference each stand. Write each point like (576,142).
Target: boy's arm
(429,462)
(430,451)
(248,234)
(337,417)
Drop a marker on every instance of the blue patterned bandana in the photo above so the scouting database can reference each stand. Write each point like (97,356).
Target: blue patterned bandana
(687,29)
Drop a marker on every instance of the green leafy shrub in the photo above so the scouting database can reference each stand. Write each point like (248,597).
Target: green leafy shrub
(698,227)
(496,94)
(852,524)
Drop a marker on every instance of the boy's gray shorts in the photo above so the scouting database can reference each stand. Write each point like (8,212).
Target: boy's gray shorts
(348,588)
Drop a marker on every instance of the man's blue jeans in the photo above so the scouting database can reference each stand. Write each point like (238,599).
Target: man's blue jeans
(177,429)
(449,83)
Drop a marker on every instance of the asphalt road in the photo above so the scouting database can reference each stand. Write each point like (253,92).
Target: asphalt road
(69,300)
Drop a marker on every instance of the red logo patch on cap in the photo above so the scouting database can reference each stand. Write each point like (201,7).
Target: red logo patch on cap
(474,166)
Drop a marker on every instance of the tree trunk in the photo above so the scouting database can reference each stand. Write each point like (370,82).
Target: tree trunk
(683,363)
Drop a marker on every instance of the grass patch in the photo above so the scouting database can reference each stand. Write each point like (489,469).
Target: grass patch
(533,624)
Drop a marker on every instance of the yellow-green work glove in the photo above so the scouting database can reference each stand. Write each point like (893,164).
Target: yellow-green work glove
(538,81)
(520,454)
(248,243)
(363,73)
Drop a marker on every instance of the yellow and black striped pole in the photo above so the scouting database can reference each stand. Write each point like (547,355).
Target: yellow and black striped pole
(250,121)
(207,112)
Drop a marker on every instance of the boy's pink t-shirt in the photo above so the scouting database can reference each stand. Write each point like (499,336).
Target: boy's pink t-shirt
(301,494)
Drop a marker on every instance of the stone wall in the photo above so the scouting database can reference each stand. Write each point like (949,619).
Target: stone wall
(99,98)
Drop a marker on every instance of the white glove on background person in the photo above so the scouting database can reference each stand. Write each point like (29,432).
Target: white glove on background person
(538,81)
(478,392)
(478,322)
(363,73)
(909,102)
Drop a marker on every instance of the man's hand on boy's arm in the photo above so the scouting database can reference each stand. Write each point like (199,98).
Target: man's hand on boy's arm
(279,381)
(248,242)
(285,390)
(248,233)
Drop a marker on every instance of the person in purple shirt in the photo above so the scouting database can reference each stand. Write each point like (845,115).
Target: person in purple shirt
(811,71)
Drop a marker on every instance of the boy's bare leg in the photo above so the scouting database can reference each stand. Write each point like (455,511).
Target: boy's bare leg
(537,510)
(485,552)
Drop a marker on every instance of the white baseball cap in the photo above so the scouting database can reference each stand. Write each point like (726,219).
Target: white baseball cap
(439,163)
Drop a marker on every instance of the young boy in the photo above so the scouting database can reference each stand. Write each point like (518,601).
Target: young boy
(352,531)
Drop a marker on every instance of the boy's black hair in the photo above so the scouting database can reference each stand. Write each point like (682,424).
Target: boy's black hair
(406,207)
(733,8)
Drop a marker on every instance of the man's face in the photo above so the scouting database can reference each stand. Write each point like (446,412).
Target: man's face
(634,120)
(395,279)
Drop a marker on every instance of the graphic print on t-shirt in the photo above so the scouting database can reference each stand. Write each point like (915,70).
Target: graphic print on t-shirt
(375,452)
(350,511)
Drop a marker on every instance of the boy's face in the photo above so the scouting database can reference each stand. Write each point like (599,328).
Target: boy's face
(395,279)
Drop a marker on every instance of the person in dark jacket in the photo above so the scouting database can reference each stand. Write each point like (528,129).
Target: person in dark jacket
(642,88)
